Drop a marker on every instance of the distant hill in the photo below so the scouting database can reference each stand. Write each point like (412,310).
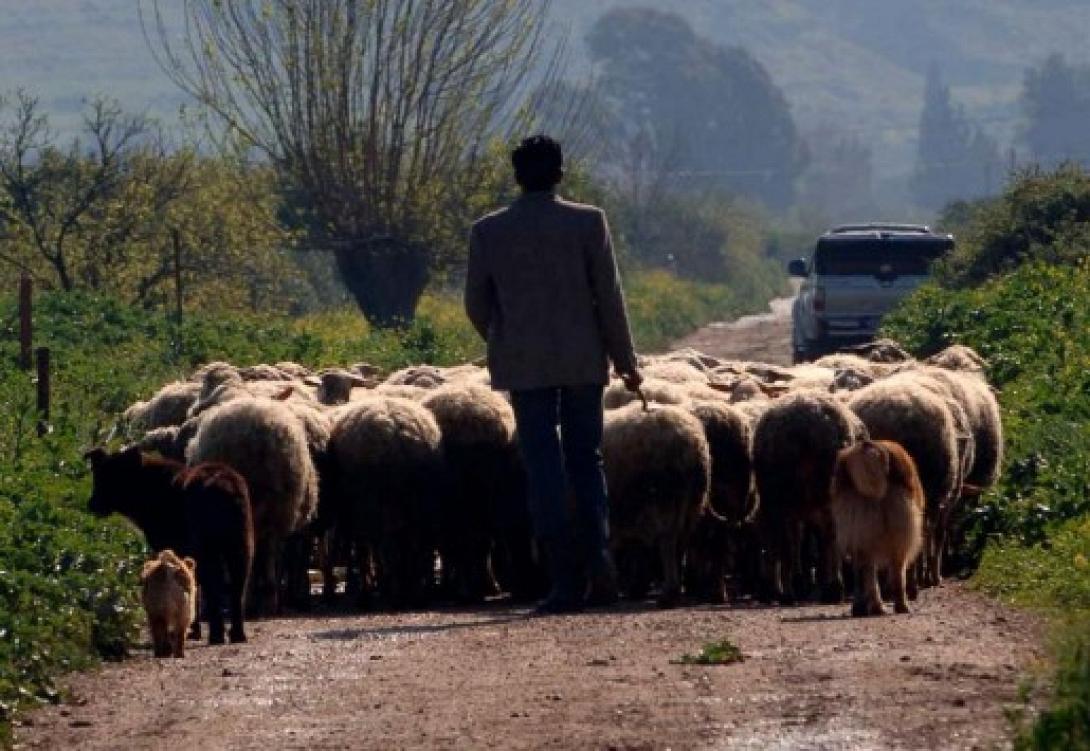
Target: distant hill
(858,64)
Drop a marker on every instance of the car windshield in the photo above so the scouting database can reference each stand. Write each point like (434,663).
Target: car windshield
(887,258)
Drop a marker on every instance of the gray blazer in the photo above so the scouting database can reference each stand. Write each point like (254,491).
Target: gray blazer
(543,290)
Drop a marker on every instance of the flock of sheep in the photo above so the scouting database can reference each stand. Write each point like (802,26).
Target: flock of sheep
(721,484)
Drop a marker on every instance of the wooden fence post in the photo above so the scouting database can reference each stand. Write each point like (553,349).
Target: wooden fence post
(41,356)
(26,322)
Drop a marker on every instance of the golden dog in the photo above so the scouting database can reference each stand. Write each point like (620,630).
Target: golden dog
(878,505)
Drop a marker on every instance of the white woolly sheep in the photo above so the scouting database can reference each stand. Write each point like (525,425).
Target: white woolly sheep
(336,385)
(958,357)
(661,392)
(484,508)
(385,471)
(675,371)
(795,444)
(731,498)
(658,469)
(167,407)
(266,443)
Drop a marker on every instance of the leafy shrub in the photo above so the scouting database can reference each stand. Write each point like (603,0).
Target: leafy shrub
(1043,216)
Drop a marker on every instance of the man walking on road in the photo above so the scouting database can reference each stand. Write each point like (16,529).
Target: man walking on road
(544,291)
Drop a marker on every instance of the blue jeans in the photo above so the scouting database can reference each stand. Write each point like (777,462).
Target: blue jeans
(559,459)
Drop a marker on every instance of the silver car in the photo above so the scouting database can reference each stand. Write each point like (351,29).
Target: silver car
(855,276)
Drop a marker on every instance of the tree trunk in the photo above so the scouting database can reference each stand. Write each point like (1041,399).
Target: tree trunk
(386,277)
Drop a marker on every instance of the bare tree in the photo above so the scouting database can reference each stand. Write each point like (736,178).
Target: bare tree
(64,212)
(376,113)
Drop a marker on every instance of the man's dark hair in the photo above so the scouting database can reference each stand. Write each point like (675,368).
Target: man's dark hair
(538,163)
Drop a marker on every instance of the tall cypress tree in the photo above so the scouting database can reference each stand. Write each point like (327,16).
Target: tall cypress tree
(954,160)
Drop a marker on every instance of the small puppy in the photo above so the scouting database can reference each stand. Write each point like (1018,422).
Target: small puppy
(878,504)
(169,592)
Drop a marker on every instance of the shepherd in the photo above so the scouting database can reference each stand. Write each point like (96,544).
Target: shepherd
(543,290)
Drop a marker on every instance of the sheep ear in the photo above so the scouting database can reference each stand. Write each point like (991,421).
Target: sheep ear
(284,395)
(189,563)
(359,381)
(313,381)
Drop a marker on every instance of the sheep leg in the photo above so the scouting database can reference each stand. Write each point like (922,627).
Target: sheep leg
(178,643)
(326,555)
(238,574)
(832,582)
(671,575)
(790,563)
(210,573)
(913,584)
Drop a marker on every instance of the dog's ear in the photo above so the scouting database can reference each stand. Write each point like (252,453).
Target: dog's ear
(867,464)
(148,568)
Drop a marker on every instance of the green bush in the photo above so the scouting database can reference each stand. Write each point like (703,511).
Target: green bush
(1042,216)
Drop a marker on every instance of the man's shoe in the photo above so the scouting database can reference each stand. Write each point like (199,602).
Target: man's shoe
(568,586)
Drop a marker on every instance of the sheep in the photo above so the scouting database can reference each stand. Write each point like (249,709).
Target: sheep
(169,593)
(317,426)
(960,358)
(236,389)
(168,407)
(336,385)
(263,372)
(412,393)
(675,371)
(425,376)
(881,351)
(747,389)
(385,471)
(658,470)
(731,497)
(904,409)
(661,392)
(293,370)
(485,500)
(203,512)
(267,444)
(878,504)
(215,373)
(162,441)
(850,379)
(982,409)
(795,444)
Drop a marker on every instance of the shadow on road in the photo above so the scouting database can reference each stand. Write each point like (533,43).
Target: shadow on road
(380,632)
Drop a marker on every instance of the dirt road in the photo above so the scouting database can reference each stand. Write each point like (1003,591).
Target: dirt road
(493,678)
(763,338)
